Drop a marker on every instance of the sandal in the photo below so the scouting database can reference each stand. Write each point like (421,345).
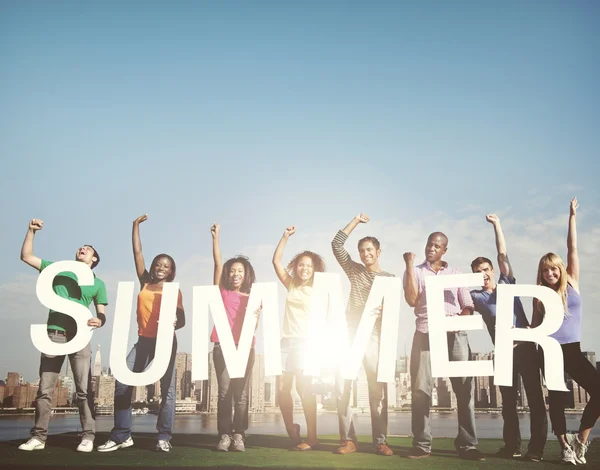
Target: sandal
(306,446)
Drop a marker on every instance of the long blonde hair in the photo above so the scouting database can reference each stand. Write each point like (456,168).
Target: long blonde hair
(552,260)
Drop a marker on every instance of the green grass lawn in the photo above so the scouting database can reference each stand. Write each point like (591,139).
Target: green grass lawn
(263,451)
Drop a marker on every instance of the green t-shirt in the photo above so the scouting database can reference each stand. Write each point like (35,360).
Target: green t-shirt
(65,285)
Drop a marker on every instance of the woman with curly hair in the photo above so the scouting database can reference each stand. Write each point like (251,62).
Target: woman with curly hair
(297,278)
(564,281)
(234,278)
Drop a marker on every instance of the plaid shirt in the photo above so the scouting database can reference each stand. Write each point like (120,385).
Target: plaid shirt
(455,298)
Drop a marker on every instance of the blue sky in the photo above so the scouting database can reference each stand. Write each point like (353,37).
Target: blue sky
(425,115)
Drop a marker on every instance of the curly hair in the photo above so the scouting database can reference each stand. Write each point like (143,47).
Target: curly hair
(249,275)
(171,276)
(317,260)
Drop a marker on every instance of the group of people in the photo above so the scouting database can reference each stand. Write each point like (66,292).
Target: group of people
(235,278)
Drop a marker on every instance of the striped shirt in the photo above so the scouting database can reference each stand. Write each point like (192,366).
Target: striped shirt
(361,281)
(455,298)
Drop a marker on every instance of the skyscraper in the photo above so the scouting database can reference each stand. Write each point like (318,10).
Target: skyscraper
(183,375)
(97,364)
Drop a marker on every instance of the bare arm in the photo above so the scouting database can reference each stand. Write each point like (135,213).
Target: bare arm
(100,319)
(280,270)
(411,289)
(572,255)
(27,248)
(337,244)
(359,219)
(138,257)
(503,261)
(218,260)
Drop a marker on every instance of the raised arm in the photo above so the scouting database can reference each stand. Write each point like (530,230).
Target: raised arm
(280,270)
(503,261)
(138,257)
(214,231)
(337,244)
(27,248)
(572,255)
(359,219)
(411,289)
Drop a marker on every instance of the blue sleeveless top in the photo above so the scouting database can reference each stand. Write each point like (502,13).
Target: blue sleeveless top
(570,330)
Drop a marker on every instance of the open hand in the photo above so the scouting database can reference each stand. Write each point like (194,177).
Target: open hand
(574,206)
(140,219)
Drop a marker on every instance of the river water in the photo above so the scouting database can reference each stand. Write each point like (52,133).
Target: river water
(489,425)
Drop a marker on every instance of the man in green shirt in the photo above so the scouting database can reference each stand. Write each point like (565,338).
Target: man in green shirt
(61,329)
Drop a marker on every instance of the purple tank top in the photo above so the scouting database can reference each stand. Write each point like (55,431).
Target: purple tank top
(570,330)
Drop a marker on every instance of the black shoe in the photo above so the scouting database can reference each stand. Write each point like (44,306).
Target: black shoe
(471,454)
(532,457)
(508,453)
(418,453)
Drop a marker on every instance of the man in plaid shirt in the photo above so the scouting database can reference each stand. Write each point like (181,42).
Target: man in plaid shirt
(457,301)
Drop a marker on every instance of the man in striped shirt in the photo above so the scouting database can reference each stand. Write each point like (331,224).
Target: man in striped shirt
(361,278)
(457,301)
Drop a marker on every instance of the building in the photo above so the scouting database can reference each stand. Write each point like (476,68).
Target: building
(256,397)
(97,363)
(139,393)
(183,375)
(106,391)
(24,396)
(212,387)
(13,379)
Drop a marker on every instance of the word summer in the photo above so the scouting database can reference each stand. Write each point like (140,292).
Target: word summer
(328,333)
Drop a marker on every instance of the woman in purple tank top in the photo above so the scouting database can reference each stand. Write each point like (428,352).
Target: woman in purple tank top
(565,282)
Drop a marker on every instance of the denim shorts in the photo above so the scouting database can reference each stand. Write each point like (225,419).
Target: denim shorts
(292,354)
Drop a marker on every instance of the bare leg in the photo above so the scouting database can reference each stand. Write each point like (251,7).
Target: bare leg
(309,403)
(286,405)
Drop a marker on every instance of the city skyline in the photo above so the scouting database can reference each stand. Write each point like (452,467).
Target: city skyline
(426,116)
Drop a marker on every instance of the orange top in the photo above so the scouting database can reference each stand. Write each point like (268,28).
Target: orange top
(148,308)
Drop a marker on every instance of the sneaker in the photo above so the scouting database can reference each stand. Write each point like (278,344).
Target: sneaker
(347,447)
(383,449)
(224,443)
(532,457)
(471,454)
(32,444)
(165,446)
(508,453)
(579,448)
(85,446)
(111,445)
(567,456)
(418,453)
(238,443)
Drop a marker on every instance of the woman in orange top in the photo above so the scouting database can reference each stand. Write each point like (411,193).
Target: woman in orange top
(162,270)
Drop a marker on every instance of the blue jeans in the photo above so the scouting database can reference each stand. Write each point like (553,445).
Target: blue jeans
(138,359)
